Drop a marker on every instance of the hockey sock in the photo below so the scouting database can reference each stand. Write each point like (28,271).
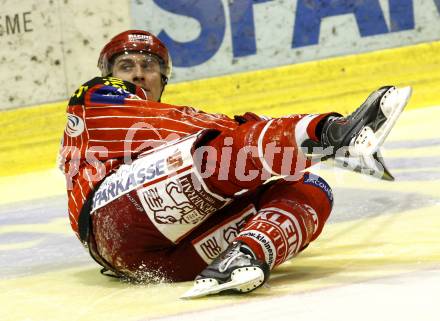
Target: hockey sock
(276,234)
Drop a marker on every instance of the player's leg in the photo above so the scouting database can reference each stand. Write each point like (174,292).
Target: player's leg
(286,146)
(132,246)
(284,224)
(290,216)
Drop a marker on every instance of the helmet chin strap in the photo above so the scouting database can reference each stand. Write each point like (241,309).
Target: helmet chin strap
(164,83)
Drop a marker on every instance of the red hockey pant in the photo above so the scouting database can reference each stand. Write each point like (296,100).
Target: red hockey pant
(277,221)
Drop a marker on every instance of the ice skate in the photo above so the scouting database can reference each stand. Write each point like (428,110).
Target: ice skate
(353,142)
(365,130)
(234,270)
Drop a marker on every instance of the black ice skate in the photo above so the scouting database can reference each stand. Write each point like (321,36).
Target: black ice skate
(354,141)
(365,129)
(234,270)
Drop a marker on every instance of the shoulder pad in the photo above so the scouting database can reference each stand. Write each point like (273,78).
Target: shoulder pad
(249,117)
(78,97)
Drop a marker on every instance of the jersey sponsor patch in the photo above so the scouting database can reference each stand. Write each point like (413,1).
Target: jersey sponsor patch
(156,164)
(75,125)
(126,179)
(265,242)
(171,191)
(212,243)
(315,180)
(179,203)
(278,228)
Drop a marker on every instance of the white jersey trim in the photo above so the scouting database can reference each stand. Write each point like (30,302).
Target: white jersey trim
(260,149)
(301,134)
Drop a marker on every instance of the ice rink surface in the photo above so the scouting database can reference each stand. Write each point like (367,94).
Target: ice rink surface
(377,259)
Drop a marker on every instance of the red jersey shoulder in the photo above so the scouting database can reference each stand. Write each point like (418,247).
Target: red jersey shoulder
(104,91)
(249,117)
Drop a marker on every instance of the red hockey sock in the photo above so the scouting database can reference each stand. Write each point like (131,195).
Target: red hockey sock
(291,215)
(276,234)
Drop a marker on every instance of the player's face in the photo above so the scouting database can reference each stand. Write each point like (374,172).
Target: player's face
(142,70)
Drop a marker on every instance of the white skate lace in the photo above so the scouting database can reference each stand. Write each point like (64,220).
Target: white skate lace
(223,266)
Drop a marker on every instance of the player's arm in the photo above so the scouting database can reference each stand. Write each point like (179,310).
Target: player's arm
(118,117)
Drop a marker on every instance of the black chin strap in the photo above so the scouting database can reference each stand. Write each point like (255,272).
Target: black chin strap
(164,83)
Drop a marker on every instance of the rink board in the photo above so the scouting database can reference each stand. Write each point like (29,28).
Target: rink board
(378,258)
(31,136)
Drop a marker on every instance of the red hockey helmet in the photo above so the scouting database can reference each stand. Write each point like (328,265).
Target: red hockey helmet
(134,41)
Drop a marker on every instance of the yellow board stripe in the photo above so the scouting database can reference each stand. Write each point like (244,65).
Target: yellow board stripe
(30,136)
(337,84)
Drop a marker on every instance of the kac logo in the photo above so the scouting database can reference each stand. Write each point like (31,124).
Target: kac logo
(75,125)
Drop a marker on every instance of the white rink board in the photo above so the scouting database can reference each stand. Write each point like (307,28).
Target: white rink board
(49,47)
(31,56)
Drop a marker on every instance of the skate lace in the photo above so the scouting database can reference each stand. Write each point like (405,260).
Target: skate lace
(223,266)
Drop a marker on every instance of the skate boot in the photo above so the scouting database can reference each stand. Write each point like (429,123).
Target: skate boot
(365,130)
(234,270)
(353,142)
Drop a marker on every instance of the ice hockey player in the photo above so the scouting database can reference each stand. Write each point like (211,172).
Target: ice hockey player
(163,190)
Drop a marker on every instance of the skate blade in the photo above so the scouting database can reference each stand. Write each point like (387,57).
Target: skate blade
(392,104)
(372,165)
(242,280)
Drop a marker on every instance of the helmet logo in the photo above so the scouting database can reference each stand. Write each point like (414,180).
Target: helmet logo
(140,38)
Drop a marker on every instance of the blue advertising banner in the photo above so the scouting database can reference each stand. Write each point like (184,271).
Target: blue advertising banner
(214,37)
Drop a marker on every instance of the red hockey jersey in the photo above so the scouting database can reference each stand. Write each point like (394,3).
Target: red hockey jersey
(109,122)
